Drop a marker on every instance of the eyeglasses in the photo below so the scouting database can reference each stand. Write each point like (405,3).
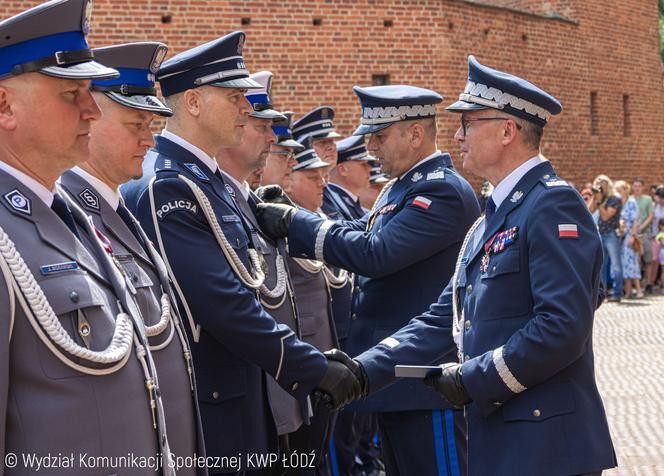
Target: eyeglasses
(287,155)
(465,122)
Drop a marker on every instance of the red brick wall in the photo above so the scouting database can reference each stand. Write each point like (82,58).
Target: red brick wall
(612,51)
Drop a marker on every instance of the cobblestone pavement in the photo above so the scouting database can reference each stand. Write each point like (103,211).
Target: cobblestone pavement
(629,362)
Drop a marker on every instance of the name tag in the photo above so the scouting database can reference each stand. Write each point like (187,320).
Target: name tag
(49,269)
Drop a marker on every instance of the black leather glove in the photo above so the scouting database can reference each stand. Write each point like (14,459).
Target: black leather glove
(275,218)
(450,385)
(339,385)
(356,367)
(274,194)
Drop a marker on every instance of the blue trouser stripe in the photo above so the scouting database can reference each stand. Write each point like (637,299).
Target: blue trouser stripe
(439,442)
(451,444)
(334,464)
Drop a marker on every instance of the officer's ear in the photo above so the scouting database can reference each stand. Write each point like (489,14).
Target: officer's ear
(192,100)
(510,129)
(416,135)
(7,116)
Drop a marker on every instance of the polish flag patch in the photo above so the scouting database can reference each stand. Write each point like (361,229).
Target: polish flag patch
(568,230)
(422,202)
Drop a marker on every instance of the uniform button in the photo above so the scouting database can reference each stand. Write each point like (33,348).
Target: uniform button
(466,358)
(537,413)
(215,395)
(73,296)
(134,278)
(84,329)
(354,317)
(493,269)
(295,386)
(469,289)
(497,403)
(468,325)
(356,289)
(546,176)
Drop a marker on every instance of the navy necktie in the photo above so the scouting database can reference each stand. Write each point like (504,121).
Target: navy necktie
(490,209)
(61,209)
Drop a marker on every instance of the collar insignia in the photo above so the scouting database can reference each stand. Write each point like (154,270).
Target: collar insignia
(417,177)
(516,196)
(19,202)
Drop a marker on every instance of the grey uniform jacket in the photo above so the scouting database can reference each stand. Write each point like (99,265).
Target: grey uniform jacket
(287,412)
(45,405)
(150,280)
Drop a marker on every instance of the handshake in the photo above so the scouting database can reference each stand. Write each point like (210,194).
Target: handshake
(344,381)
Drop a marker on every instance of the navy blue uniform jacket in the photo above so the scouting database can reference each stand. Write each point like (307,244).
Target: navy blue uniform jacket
(527,338)
(402,263)
(238,340)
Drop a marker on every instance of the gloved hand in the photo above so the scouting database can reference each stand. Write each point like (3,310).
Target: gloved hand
(340,356)
(274,194)
(275,218)
(450,385)
(339,385)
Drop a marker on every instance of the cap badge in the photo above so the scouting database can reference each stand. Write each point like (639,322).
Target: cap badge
(158,58)
(87,18)
(240,44)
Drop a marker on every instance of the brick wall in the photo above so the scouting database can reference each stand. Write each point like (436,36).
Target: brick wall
(571,48)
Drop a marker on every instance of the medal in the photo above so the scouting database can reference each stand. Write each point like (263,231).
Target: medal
(484,264)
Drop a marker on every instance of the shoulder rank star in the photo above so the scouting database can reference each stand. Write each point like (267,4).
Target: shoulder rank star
(417,177)
(516,196)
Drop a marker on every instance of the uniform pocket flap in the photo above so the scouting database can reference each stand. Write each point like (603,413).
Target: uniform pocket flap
(308,324)
(70,291)
(221,384)
(540,403)
(137,276)
(505,262)
(235,234)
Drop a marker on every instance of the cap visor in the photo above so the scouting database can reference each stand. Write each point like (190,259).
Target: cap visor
(379,180)
(269,114)
(141,102)
(319,164)
(368,129)
(87,70)
(238,83)
(461,106)
(290,143)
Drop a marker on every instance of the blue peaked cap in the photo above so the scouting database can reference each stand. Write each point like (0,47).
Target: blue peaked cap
(308,159)
(50,39)
(351,148)
(382,106)
(216,63)
(316,124)
(137,64)
(282,129)
(490,88)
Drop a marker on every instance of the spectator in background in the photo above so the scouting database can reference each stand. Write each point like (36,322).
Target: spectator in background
(659,238)
(646,208)
(630,259)
(657,247)
(609,206)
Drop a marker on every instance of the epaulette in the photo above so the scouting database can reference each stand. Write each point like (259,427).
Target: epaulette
(553,181)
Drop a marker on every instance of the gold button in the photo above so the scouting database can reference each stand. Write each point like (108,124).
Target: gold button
(468,324)
(295,386)
(215,395)
(546,176)
(469,288)
(354,316)
(537,413)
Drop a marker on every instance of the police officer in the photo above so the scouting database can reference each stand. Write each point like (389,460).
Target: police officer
(118,142)
(402,252)
(77,374)
(276,293)
(215,269)
(520,305)
(313,283)
(346,180)
(281,159)
(318,126)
